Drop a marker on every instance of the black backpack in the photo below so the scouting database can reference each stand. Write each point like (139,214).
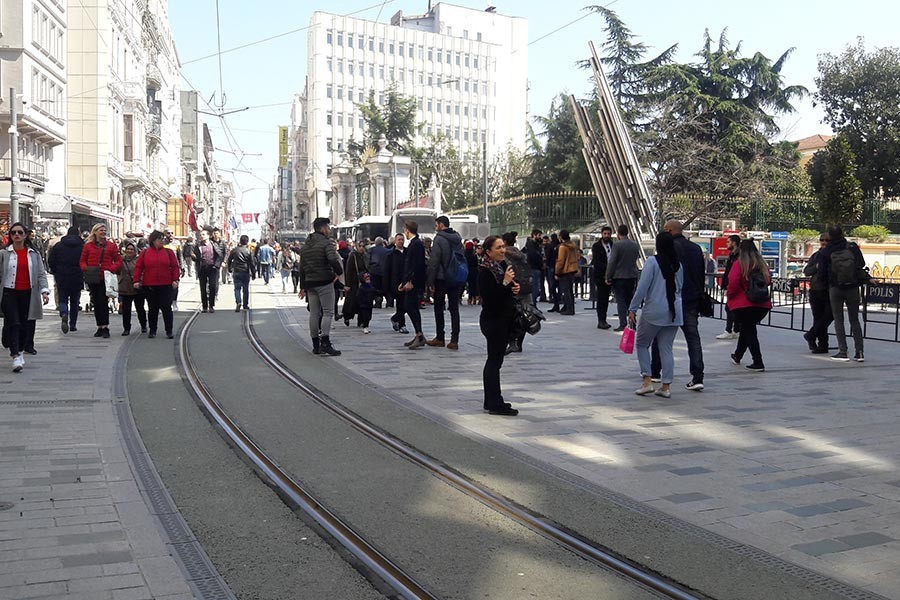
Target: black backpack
(757,288)
(843,267)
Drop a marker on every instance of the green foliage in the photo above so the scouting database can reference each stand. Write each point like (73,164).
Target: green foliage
(871,233)
(804,235)
(858,91)
(395,121)
(831,174)
(559,166)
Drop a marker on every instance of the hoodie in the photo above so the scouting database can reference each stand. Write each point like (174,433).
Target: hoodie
(445,242)
(64,260)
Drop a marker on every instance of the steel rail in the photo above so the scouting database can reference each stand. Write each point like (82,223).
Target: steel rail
(404,585)
(506,507)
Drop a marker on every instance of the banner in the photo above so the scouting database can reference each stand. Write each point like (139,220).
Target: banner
(247,217)
(282,146)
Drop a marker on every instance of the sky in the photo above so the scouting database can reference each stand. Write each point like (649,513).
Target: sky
(266,76)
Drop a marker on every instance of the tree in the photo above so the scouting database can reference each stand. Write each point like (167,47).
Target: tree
(858,91)
(395,120)
(559,165)
(837,189)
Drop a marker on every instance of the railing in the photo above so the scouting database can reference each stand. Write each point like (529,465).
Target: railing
(29,170)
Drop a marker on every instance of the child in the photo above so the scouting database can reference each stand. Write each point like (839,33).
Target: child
(365,299)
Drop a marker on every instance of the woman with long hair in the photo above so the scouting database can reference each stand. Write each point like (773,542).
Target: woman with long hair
(102,254)
(23,282)
(747,313)
(659,290)
(498,288)
(128,295)
(157,272)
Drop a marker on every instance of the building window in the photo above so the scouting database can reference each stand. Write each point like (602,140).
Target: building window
(430,54)
(429,105)
(329,142)
(328,91)
(328,118)
(421,78)
(447,108)
(371,44)
(391,73)
(340,64)
(421,53)
(360,97)
(410,53)
(465,34)
(391,48)
(328,64)
(361,123)
(371,70)
(128,127)
(465,135)
(329,37)
(458,60)
(401,49)
(475,62)
(448,57)
(350,67)
(340,120)
(340,38)
(440,55)
(456,133)
(466,85)
(467,60)
(466,110)
(478,36)
(430,80)
(360,42)
(349,40)
(340,93)
(381,71)
(381,46)
(456,110)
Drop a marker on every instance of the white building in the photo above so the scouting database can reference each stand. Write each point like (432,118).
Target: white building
(124,111)
(33,61)
(466,68)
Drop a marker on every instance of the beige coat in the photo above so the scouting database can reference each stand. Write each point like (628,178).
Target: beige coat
(8,262)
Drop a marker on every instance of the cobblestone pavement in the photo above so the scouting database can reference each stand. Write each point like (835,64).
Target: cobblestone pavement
(800,461)
(79,527)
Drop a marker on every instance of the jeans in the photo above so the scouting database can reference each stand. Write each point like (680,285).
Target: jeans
(602,298)
(748,339)
(566,293)
(624,289)
(839,297)
(552,287)
(820,302)
(68,301)
(452,294)
(537,285)
(266,271)
(691,331)
(661,338)
(411,304)
(138,301)
(496,332)
(209,285)
(18,329)
(321,310)
(159,298)
(285,276)
(100,302)
(189,266)
(241,288)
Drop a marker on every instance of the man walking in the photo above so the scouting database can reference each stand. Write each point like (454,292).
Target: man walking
(393,279)
(446,242)
(187,253)
(622,272)
(415,271)
(208,258)
(600,252)
(534,254)
(377,256)
(264,256)
(320,266)
(64,260)
(690,255)
(240,265)
(819,302)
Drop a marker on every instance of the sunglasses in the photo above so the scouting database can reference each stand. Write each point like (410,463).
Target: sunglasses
(824,240)
(17,232)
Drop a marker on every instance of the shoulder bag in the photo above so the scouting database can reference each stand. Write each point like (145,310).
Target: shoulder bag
(93,275)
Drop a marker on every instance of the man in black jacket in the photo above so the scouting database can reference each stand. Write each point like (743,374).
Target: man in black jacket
(240,265)
(551,247)
(63,261)
(415,274)
(534,254)
(393,279)
(208,257)
(599,259)
(319,267)
(691,257)
(819,302)
(446,242)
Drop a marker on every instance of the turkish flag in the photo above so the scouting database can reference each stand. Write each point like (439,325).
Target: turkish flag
(247,217)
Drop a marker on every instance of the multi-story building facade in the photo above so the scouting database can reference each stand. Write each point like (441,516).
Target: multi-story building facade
(201,173)
(300,172)
(466,68)
(33,62)
(124,145)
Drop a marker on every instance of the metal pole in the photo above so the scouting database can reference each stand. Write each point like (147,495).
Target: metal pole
(484,178)
(13,159)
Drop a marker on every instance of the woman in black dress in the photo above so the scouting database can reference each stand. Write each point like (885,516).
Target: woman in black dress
(497,287)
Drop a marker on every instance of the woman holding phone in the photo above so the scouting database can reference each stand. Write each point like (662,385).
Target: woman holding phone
(497,287)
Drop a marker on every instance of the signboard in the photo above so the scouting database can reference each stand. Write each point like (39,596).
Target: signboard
(779,235)
(770,248)
(707,233)
(282,146)
(883,293)
(787,286)
(757,235)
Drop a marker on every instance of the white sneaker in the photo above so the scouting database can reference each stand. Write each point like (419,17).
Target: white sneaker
(175,306)
(366,330)
(18,363)
(725,335)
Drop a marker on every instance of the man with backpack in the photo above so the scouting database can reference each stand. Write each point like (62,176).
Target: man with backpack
(842,265)
(448,271)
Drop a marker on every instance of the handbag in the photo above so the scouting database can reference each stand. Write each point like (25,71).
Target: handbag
(111,281)
(92,275)
(528,318)
(707,303)
(626,343)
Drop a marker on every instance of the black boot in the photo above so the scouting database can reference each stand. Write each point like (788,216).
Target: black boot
(316,346)
(327,348)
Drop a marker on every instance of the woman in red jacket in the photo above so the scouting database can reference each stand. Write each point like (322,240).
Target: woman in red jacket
(156,272)
(748,313)
(100,252)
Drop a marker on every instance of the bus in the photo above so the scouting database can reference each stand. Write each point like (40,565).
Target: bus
(371,228)
(423,216)
(468,227)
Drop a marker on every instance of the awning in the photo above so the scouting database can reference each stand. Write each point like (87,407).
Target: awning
(87,208)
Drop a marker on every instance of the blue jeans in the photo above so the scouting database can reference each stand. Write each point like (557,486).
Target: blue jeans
(68,302)
(241,288)
(266,270)
(661,338)
(691,330)
(624,290)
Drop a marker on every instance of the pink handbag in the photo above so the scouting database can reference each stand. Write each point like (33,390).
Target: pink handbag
(626,344)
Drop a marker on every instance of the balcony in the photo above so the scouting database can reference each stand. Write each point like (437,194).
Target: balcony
(29,171)
(154,77)
(134,175)
(154,131)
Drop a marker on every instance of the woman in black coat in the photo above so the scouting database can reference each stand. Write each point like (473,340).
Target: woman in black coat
(498,287)
(393,277)
(472,281)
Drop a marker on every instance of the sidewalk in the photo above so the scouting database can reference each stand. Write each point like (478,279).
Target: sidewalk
(800,461)
(74,521)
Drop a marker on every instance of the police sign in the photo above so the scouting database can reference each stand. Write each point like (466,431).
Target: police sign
(786,286)
(883,293)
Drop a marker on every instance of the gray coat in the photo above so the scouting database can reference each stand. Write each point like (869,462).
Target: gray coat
(445,242)
(623,260)
(38,278)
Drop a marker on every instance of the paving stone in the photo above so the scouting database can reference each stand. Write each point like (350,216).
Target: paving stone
(690,471)
(682,498)
(822,547)
(861,540)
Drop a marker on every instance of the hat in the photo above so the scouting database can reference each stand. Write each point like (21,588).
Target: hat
(469,245)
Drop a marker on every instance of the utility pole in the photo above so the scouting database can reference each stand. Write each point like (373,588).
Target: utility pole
(13,159)
(484,178)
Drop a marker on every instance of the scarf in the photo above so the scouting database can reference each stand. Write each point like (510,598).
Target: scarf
(494,267)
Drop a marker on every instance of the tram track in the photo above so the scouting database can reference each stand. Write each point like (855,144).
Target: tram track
(387,571)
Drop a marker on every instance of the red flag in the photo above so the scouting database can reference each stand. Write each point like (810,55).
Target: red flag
(247,217)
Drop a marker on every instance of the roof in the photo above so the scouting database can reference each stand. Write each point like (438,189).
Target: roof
(813,142)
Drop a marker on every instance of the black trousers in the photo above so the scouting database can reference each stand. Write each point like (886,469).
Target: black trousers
(496,333)
(399,316)
(441,291)
(18,330)
(602,298)
(820,302)
(566,292)
(295,279)
(159,298)
(209,285)
(100,303)
(748,339)
(411,305)
(138,301)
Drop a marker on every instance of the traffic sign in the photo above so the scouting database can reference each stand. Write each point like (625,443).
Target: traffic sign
(757,235)
(707,233)
(779,235)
